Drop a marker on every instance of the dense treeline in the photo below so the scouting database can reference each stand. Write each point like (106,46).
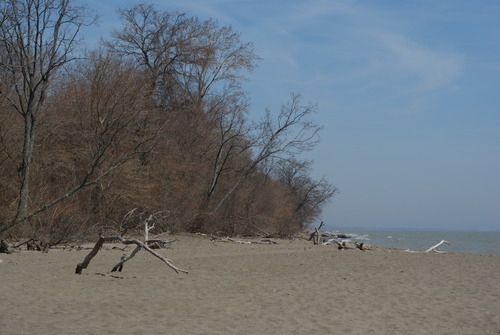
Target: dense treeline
(153,123)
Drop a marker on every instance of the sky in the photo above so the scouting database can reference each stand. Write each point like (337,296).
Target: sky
(408,94)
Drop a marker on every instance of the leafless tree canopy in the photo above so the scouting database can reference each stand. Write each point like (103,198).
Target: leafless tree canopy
(154,118)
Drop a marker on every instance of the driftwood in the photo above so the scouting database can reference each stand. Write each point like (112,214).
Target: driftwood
(360,246)
(221,239)
(228,239)
(344,245)
(34,245)
(147,227)
(5,248)
(118,267)
(31,244)
(435,248)
(268,241)
(315,235)
(158,244)
(340,245)
(153,243)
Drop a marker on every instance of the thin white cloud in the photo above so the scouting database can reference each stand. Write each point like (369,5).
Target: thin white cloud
(430,69)
(210,9)
(345,45)
(314,9)
(376,43)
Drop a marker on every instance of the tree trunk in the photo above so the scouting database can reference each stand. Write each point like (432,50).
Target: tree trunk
(29,140)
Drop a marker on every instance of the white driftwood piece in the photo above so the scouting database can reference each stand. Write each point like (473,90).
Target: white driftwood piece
(316,235)
(436,247)
(147,228)
(227,239)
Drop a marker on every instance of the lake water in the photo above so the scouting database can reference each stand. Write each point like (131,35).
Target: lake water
(469,242)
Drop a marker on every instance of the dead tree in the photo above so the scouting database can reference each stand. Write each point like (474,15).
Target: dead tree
(149,224)
(139,245)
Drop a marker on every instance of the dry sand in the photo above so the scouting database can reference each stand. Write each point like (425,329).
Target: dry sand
(289,288)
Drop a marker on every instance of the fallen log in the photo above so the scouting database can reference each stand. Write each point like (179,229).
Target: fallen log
(227,239)
(140,245)
(158,244)
(268,241)
(5,248)
(340,245)
(221,239)
(31,244)
(435,248)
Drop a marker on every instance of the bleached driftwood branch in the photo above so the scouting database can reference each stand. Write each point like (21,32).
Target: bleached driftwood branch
(316,235)
(345,246)
(436,247)
(147,228)
(228,239)
(119,266)
(140,245)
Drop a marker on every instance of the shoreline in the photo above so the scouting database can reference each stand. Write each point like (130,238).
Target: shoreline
(485,243)
(293,287)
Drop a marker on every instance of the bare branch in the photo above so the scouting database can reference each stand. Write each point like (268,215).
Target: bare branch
(140,245)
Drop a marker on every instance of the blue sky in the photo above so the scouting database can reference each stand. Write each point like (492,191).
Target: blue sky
(408,95)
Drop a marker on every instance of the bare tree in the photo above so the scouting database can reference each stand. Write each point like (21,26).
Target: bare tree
(104,104)
(218,64)
(158,41)
(290,134)
(308,195)
(164,102)
(197,68)
(37,40)
(227,142)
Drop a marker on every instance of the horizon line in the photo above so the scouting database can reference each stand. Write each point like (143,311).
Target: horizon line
(478,230)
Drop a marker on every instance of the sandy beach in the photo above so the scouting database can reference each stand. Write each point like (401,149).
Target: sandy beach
(292,287)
